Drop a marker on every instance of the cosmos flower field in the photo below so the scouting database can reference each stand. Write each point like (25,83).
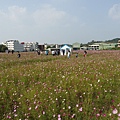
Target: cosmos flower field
(39,87)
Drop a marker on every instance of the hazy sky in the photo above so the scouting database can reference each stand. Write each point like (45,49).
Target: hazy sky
(59,21)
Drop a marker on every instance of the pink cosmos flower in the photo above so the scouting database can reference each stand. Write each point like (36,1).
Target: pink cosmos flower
(43,112)
(112,100)
(98,115)
(9,117)
(80,109)
(58,115)
(115,111)
(36,107)
(59,118)
(104,115)
(73,116)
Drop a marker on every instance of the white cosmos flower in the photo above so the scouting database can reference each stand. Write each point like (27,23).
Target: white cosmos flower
(69,107)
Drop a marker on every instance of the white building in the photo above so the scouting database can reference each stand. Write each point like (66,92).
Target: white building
(14,45)
(30,46)
(95,46)
(118,43)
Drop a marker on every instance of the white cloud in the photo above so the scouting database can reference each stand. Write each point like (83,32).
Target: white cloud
(44,23)
(13,16)
(114,12)
(48,15)
(45,16)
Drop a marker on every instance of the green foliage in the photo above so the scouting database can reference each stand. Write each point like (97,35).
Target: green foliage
(115,40)
(116,48)
(3,48)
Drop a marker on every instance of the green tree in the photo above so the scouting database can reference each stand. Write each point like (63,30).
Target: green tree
(3,48)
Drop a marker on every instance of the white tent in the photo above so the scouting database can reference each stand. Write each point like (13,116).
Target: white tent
(65,49)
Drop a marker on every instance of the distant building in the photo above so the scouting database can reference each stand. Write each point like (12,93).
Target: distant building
(76,46)
(83,48)
(50,47)
(31,46)
(14,45)
(118,43)
(41,47)
(94,47)
(53,47)
(102,46)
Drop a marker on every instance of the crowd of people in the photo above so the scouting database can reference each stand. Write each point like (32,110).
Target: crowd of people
(54,53)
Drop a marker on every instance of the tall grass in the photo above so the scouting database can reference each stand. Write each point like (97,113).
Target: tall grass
(50,87)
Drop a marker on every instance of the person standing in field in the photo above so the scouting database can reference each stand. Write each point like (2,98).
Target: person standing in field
(85,53)
(46,52)
(53,53)
(68,54)
(38,52)
(18,55)
(12,51)
(76,54)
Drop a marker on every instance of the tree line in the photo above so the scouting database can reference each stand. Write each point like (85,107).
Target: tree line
(115,40)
